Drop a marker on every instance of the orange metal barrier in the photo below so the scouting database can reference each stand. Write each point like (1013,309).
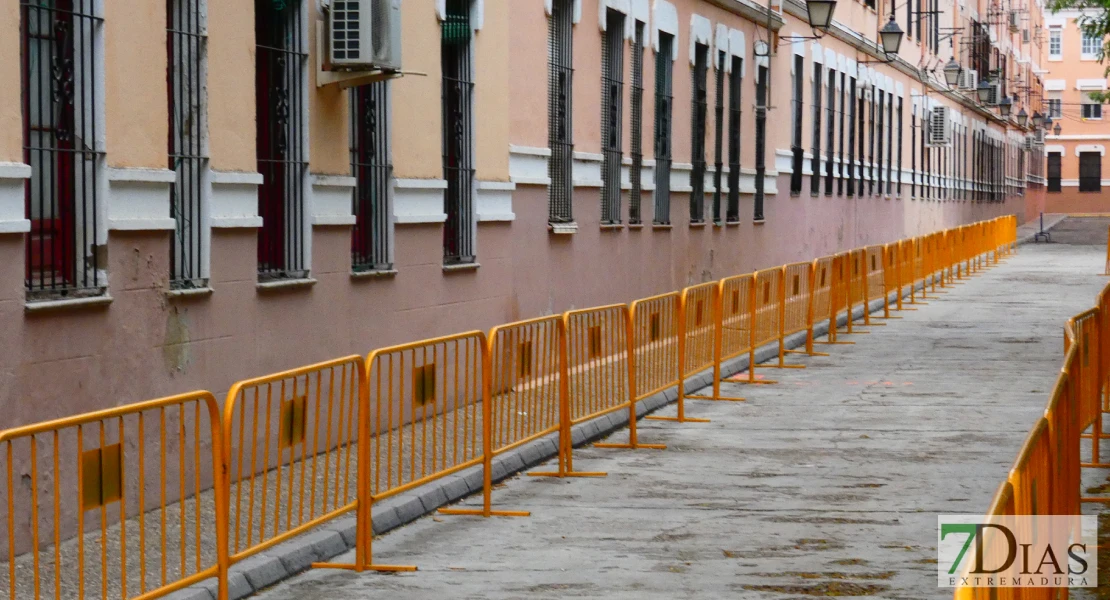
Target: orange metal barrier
(700,342)
(116,472)
(798,306)
(738,323)
(820,297)
(291,457)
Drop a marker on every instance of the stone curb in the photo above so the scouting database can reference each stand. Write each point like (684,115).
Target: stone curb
(338,536)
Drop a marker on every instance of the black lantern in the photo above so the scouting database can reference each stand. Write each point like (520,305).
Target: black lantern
(984,92)
(891,36)
(1056,130)
(820,13)
(1038,119)
(1022,117)
(1004,107)
(952,72)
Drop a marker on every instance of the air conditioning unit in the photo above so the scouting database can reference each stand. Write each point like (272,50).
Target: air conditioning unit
(364,35)
(1015,21)
(1029,142)
(996,94)
(1038,137)
(940,127)
(969,79)
(1025,36)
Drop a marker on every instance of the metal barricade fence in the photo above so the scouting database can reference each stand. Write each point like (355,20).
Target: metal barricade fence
(115,503)
(655,343)
(700,342)
(821,297)
(797,306)
(292,453)
(737,321)
(875,280)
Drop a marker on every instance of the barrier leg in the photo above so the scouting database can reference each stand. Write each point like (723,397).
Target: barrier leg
(566,452)
(809,345)
(681,416)
(718,341)
(750,379)
(633,439)
(363,557)
(782,356)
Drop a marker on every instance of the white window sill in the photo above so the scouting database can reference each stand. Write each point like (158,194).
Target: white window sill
(45,306)
(189,292)
(285,284)
(379,274)
(461,268)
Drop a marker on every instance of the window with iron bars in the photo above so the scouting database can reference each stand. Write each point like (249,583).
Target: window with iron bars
(899,147)
(861,111)
(1054,172)
(1090,171)
(735,97)
(851,169)
(456,50)
(815,166)
(798,153)
(761,77)
(719,136)
(636,106)
(281,63)
(913,152)
(186,49)
(61,143)
(890,175)
(612,102)
(841,168)
(830,139)
(560,56)
(872,175)
(372,167)
(664,64)
(698,111)
(880,98)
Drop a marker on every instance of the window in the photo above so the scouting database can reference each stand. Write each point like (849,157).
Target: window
(735,96)
(663,97)
(1055,43)
(698,111)
(1090,171)
(1091,46)
(281,63)
(879,126)
(559,88)
(851,170)
(371,164)
(830,139)
(796,127)
(913,152)
(1055,107)
(719,136)
(861,111)
(62,145)
(899,147)
(871,144)
(1054,171)
(612,101)
(636,105)
(760,140)
(890,144)
(815,165)
(842,170)
(459,230)
(1091,110)
(186,45)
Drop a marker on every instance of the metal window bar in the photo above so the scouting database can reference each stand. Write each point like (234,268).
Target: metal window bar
(281,63)
(841,169)
(698,111)
(890,144)
(560,44)
(899,147)
(636,106)
(612,101)
(459,230)
(719,137)
(815,164)
(59,73)
(372,167)
(663,98)
(735,96)
(925,183)
(186,49)
(871,144)
(760,141)
(796,122)
(880,98)
(913,152)
(851,172)
(862,112)
(830,140)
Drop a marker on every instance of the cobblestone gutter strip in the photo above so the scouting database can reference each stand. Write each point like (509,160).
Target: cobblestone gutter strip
(332,539)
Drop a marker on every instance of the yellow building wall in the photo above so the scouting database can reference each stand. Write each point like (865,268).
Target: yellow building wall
(11,127)
(135,83)
(231,122)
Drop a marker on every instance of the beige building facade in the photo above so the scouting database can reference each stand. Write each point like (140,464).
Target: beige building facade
(185,201)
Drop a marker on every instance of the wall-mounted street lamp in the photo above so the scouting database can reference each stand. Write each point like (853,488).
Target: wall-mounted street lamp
(1022,117)
(1038,119)
(820,13)
(1056,129)
(984,91)
(1004,107)
(952,72)
(890,36)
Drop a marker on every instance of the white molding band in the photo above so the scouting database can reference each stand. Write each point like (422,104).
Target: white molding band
(139,199)
(1090,148)
(477,12)
(234,199)
(547,9)
(418,201)
(494,201)
(701,32)
(332,199)
(664,18)
(1054,149)
(622,6)
(13,216)
(1090,85)
(528,165)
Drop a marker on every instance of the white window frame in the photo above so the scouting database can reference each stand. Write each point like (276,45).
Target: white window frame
(1085,40)
(1055,40)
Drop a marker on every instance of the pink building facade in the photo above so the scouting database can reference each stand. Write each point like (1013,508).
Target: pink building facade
(195,204)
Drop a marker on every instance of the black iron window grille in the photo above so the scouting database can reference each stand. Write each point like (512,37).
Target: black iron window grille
(871,175)
(815,165)
(880,98)
(890,174)
(760,141)
(925,177)
(698,111)
(830,139)
(862,113)
(913,152)
(60,65)
(900,124)
(459,230)
(798,153)
(664,64)
(841,168)
(372,167)
(612,102)
(636,106)
(719,137)
(186,47)
(1054,172)
(560,57)
(280,100)
(735,97)
(851,168)
(1090,171)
